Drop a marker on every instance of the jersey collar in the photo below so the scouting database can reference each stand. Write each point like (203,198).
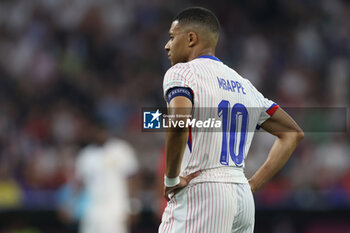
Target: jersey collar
(210,57)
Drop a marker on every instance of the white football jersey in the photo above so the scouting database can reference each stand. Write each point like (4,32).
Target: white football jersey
(104,170)
(219,92)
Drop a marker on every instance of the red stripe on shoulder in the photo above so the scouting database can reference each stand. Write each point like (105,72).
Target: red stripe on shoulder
(272,109)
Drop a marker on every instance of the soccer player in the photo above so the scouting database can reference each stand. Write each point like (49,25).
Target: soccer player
(104,168)
(205,185)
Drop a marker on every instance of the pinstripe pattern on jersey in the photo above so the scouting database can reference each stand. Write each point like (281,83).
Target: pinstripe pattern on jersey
(201,76)
(168,217)
(210,207)
(244,220)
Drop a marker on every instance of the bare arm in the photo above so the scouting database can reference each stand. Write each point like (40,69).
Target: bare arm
(176,140)
(288,135)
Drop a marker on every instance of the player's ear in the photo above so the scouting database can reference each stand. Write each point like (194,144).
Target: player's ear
(192,39)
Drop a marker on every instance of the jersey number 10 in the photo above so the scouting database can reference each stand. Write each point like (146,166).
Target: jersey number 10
(239,122)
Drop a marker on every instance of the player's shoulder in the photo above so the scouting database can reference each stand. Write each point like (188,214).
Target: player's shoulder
(89,150)
(180,74)
(123,152)
(178,68)
(88,155)
(239,76)
(236,75)
(117,142)
(118,146)
(244,81)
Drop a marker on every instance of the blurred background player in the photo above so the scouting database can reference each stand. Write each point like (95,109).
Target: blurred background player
(104,167)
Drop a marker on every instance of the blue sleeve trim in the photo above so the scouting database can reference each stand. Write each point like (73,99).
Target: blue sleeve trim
(189,145)
(179,91)
(273,105)
(210,57)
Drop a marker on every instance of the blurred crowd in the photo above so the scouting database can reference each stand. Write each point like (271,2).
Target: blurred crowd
(68,65)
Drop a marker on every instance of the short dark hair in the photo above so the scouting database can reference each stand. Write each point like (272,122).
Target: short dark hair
(201,16)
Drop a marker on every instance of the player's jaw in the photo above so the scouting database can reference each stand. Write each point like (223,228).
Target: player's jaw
(177,55)
(173,62)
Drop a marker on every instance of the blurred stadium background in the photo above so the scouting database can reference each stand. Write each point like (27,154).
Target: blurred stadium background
(67,65)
